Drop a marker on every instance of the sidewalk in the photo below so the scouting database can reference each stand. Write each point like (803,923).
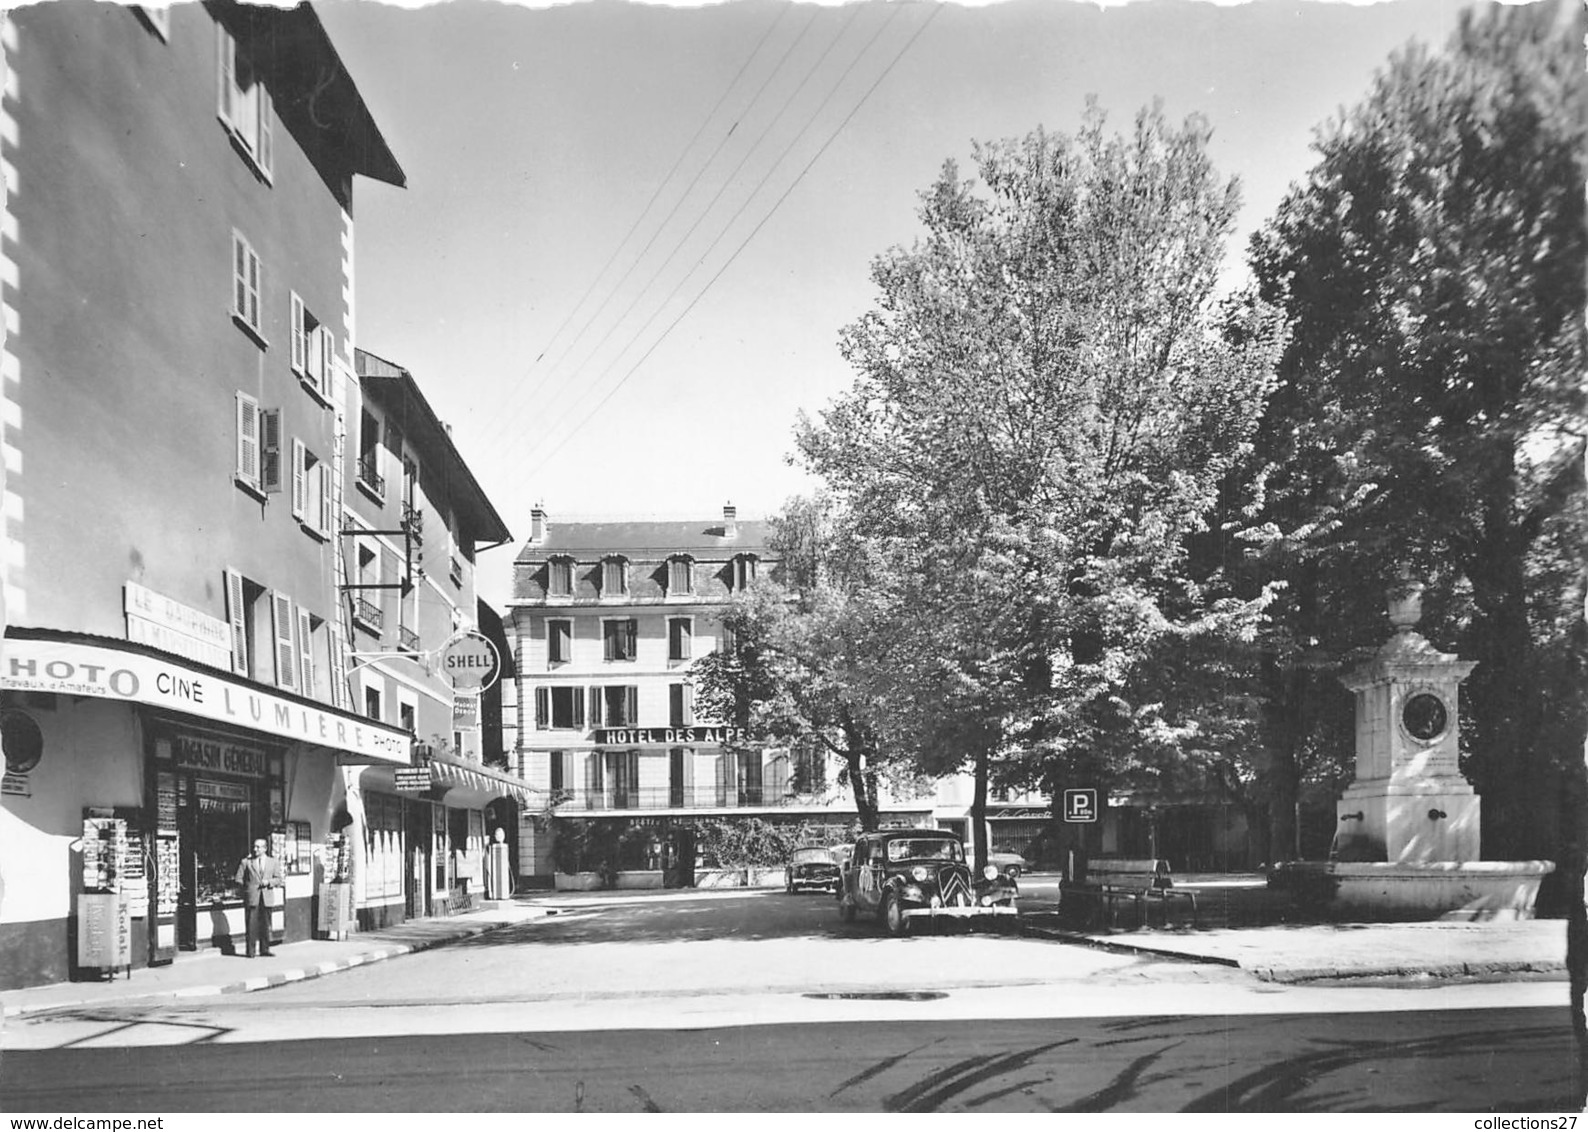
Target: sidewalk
(211,973)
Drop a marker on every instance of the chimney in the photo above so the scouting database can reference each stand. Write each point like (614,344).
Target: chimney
(730,521)
(537,523)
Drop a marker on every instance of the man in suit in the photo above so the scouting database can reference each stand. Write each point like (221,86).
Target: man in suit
(258,874)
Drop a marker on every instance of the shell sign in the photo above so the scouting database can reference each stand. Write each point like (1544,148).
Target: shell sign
(472,662)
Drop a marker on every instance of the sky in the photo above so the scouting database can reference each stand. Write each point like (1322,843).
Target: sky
(632,233)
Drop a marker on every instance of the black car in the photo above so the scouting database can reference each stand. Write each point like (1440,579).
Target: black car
(811,867)
(907,877)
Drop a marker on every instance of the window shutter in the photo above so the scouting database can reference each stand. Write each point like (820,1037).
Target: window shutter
(306,653)
(578,709)
(247,439)
(327,359)
(300,480)
(236,615)
(300,345)
(265,150)
(630,634)
(609,640)
(631,706)
(286,653)
(689,705)
(270,449)
(339,696)
(225,68)
(327,499)
(685,633)
(542,707)
(595,707)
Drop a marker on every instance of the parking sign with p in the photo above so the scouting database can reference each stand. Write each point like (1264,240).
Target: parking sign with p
(1080,805)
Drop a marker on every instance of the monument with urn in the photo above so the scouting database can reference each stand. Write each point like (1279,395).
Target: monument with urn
(1408,830)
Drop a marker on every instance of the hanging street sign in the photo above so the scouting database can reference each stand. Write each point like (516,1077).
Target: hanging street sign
(472,662)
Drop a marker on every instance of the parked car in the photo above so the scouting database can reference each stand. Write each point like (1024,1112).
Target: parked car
(811,867)
(908,877)
(1012,865)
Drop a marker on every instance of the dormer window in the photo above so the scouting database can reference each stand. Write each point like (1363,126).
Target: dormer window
(614,577)
(680,576)
(743,571)
(559,577)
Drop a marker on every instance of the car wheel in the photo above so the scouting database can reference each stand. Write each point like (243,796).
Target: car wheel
(893,915)
(846,910)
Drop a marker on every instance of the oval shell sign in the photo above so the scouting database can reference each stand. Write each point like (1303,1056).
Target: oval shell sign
(472,662)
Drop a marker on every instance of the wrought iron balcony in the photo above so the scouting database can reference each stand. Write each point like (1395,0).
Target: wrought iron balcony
(368,476)
(408,639)
(414,521)
(368,613)
(678,797)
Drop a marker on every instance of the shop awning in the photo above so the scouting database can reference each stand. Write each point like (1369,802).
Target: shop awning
(480,784)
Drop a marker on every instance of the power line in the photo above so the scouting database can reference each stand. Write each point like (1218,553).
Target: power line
(509,420)
(742,245)
(727,182)
(726,227)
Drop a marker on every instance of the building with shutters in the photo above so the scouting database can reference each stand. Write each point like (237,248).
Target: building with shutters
(414,520)
(181,444)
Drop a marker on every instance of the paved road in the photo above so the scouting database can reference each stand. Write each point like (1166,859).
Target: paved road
(767,1002)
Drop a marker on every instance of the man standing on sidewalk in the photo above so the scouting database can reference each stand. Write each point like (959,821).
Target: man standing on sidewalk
(261,877)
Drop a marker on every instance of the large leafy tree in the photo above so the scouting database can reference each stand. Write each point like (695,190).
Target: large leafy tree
(1047,401)
(1431,406)
(1429,414)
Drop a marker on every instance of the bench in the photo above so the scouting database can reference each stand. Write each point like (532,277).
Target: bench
(1141,880)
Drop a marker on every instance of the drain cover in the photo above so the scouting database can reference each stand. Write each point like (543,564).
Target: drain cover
(885,996)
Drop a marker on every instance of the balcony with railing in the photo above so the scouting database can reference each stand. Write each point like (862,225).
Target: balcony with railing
(368,477)
(408,639)
(678,797)
(413,521)
(368,614)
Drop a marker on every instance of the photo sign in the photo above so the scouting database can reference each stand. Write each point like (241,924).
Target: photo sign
(472,662)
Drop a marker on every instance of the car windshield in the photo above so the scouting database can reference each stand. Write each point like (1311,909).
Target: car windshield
(812,857)
(924,848)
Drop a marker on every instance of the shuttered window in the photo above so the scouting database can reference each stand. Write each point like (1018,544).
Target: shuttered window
(308,680)
(248,440)
(681,705)
(679,632)
(284,629)
(237,615)
(680,576)
(559,642)
(246,283)
(614,577)
(559,577)
(270,450)
(618,639)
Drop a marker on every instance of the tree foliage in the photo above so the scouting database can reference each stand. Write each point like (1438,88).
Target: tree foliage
(1429,413)
(1047,401)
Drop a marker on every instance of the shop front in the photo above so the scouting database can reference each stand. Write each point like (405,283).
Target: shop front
(152,779)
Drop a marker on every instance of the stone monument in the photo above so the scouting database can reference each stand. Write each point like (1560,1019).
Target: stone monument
(1407,839)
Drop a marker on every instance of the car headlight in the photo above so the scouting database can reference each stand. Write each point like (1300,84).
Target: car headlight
(986,901)
(912,892)
(990,872)
(918,874)
(937,901)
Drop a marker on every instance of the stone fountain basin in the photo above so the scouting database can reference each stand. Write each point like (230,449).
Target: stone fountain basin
(1436,890)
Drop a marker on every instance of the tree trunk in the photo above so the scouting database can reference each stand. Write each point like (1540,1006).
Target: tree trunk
(978,811)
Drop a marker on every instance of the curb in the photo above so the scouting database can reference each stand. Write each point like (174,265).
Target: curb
(280,978)
(1084,940)
(1482,969)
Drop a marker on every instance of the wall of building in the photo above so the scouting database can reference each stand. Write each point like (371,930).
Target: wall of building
(127,195)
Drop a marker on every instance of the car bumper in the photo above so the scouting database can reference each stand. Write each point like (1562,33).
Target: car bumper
(960,912)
